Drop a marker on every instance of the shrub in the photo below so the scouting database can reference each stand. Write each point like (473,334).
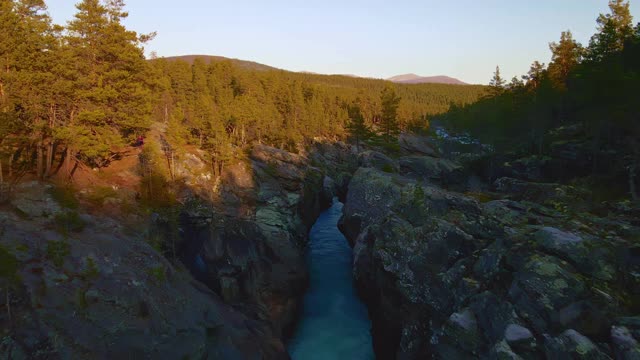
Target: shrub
(81,299)
(155,189)
(91,270)
(57,251)
(388,168)
(482,197)
(100,193)
(8,265)
(157,273)
(65,196)
(69,221)
(271,169)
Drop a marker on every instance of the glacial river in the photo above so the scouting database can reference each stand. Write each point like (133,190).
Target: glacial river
(335,323)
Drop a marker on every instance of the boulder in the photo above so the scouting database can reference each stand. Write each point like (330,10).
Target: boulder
(488,264)
(625,345)
(520,338)
(572,345)
(543,287)
(494,315)
(502,351)
(35,200)
(586,257)
(415,144)
(524,190)
(377,160)
(461,331)
(441,171)
(532,168)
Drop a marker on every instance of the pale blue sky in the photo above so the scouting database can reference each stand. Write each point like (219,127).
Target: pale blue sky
(464,39)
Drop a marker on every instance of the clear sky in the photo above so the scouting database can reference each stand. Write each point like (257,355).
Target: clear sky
(465,39)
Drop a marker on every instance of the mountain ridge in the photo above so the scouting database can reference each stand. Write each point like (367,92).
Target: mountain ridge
(409,78)
(417,79)
(246,64)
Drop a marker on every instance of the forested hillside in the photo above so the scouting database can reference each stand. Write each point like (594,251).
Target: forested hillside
(583,106)
(77,95)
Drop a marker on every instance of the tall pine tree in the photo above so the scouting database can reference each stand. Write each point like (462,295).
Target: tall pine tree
(497,83)
(565,56)
(357,127)
(110,97)
(389,117)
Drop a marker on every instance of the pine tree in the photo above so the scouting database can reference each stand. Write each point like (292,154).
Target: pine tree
(389,116)
(357,128)
(614,29)
(535,75)
(27,81)
(497,83)
(110,89)
(566,55)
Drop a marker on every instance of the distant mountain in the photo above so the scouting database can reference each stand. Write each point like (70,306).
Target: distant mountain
(251,65)
(416,79)
(347,75)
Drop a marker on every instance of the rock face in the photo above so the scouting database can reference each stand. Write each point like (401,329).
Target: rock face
(98,292)
(218,276)
(446,276)
(247,243)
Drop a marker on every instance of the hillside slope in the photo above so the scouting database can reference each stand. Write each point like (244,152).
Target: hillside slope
(243,64)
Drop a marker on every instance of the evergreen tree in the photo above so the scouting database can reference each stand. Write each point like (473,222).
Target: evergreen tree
(614,29)
(535,74)
(110,89)
(497,83)
(27,82)
(565,56)
(389,117)
(357,127)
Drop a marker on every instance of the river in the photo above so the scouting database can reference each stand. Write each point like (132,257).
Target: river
(334,323)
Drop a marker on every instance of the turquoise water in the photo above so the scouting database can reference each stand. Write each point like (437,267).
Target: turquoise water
(334,323)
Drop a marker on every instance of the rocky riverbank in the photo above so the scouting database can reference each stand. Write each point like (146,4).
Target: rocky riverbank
(458,254)
(518,270)
(219,275)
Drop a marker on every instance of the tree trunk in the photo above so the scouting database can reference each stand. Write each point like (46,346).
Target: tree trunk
(40,165)
(50,145)
(49,163)
(173,166)
(632,182)
(1,178)
(11,165)
(166,113)
(67,161)
(8,301)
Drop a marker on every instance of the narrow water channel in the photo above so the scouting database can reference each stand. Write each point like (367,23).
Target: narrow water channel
(335,323)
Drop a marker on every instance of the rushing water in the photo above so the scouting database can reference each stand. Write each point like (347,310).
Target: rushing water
(334,323)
